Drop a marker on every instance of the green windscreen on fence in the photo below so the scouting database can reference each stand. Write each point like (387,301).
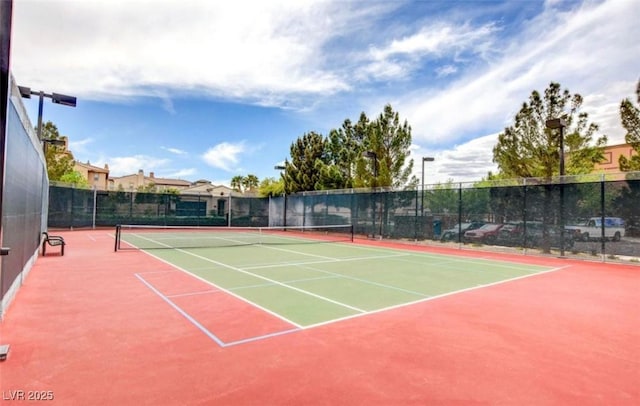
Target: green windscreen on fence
(595,216)
(24,210)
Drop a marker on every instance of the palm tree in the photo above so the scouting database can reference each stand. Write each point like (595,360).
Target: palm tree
(237,182)
(250,182)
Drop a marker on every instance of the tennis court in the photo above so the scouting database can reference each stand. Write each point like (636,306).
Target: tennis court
(303,276)
(292,317)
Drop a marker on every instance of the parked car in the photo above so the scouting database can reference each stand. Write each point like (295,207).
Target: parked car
(536,236)
(592,229)
(487,234)
(512,234)
(452,234)
(632,227)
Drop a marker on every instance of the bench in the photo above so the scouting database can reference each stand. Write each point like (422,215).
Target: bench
(52,241)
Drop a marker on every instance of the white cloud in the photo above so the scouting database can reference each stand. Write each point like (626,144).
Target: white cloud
(438,39)
(119,48)
(295,54)
(182,173)
(78,147)
(572,48)
(176,151)
(446,70)
(400,57)
(224,156)
(467,162)
(121,166)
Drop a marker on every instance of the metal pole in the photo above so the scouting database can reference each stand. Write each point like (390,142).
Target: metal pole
(375,168)
(422,190)
(229,211)
(383,204)
(95,200)
(459,214)
(40,102)
(561,150)
(602,208)
(552,124)
(524,216)
(374,183)
(415,222)
(428,159)
(562,190)
(284,221)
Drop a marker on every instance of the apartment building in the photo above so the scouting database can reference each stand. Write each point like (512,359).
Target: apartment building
(138,180)
(612,154)
(96,177)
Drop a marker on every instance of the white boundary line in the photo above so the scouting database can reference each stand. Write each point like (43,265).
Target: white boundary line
(300,263)
(275,282)
(362,312)
(486,285)
(202,328)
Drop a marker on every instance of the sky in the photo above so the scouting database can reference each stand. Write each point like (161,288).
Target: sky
(205,89)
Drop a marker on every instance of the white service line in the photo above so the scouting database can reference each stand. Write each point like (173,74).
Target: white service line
(222,264)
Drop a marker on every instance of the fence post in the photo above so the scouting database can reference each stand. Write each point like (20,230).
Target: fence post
(73,194)
(460,215)
(524,216)
(602,215)
(415,222)
(229,212)
(95,200)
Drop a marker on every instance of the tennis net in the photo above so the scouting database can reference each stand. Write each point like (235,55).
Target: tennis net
(167,237)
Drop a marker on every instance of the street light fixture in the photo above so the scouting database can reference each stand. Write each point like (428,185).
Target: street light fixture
(50,141)
(56,98)
(560,124)
(424,159)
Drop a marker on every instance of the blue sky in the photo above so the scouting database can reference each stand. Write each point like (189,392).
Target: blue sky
(202,89)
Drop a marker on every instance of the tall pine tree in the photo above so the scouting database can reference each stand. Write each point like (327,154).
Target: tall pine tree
(529,149)
(630,117)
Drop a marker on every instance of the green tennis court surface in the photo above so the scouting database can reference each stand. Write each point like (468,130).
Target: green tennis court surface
(315,283)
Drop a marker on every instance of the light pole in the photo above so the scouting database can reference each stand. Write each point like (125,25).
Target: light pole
(560,124)
(374,156)
(56,98)
(283,168)
(284,195)
(424,159)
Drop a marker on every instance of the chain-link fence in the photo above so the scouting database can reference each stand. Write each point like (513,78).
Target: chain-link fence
(76,208)
(593,216)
